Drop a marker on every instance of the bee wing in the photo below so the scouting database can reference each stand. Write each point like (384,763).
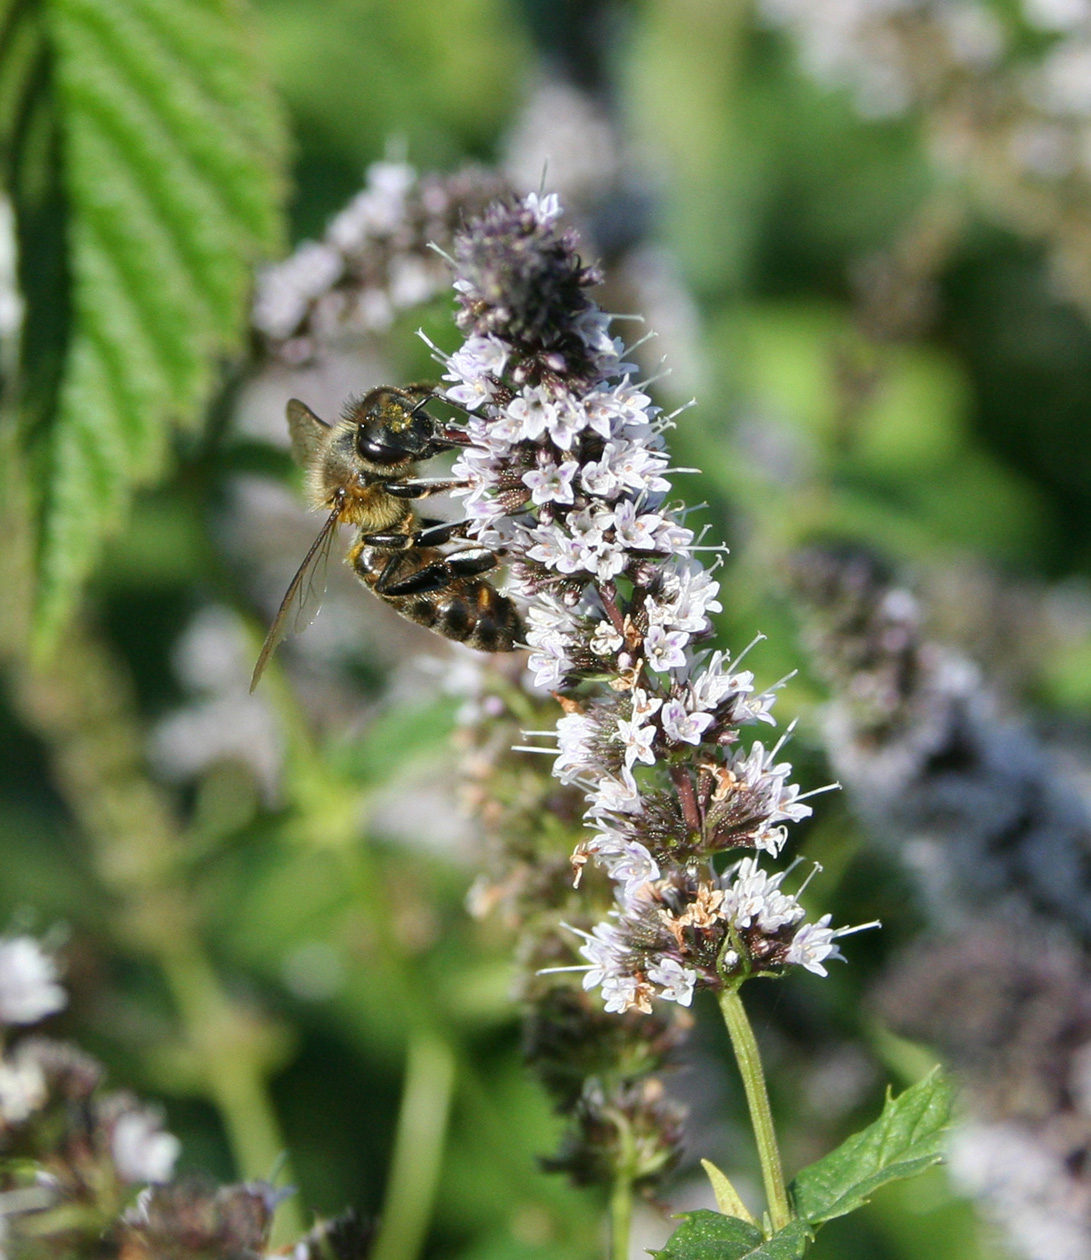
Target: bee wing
(308,432)
(301,592)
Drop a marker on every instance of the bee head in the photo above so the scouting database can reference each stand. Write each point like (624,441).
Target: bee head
(392,427)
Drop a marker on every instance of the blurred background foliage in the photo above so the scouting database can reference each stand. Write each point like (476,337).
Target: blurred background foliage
(263,950)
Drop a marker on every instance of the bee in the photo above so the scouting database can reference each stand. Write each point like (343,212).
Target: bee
(363,472)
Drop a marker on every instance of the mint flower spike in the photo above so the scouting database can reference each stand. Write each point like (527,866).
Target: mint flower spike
(566,475)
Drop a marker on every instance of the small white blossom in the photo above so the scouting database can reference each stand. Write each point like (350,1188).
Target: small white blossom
(683,727)
(754,897)
(665,649)
(545,209)
(531,412)
(556,549)
(623,993)
(639,531)
(813,945)
(675,982)
(28,982)
(637,740)
(22,1089)
(627,862)
(551,483)
(604,950)
(605,641)
(616,795)
(574,733)
(142,1150)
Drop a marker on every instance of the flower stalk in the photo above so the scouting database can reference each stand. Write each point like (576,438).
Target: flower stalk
(747,1056)
(565,476)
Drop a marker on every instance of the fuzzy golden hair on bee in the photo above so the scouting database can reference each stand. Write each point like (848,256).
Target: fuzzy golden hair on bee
(362,470)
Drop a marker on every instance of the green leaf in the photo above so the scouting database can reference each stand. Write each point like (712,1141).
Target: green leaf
(705,1235)
(170,174)
(906,1139)
(727,1197)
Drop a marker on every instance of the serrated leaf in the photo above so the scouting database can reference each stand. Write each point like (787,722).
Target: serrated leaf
(705,1235)
(171,179)
(906,1139)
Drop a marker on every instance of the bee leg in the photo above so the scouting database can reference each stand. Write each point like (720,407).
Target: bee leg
(435,535)
(421,487)
(439,533)
(435,576)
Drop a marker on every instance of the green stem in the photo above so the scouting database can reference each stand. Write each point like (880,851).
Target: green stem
(418,1148)
(745,1046)
(621,1216)
(621,1196)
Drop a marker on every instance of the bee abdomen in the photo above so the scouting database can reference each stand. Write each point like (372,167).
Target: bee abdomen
(475,614)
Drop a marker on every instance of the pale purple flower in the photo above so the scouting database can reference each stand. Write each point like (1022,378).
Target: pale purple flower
(683,727)
(665,649)
(551,483)
(675,982)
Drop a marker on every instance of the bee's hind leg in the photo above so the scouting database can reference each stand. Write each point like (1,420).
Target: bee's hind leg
(434,576)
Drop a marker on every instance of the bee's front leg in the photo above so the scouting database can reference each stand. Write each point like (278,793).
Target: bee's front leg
(422,487)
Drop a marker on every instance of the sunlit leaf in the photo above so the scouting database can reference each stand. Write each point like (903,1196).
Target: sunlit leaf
(169,182)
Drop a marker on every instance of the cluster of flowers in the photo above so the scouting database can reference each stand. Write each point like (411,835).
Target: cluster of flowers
(373,261)
(88,1172)
(566,475)
(1006,94)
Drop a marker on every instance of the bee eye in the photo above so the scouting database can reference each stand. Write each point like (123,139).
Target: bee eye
(376,452)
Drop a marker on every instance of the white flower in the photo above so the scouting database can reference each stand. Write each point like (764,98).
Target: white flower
(616,795)
(567,421)
(549,667)
(545,209)
(605,641)
(623,467)
(142,1150)
(665,649)
(623,993)
(754,897)
(531,414)
(683,727)
(604,950)
(556,549)
(675,981)
(28,982)
(627,862)
(22,1088)
(637,740)
(574,733)
(689,594)
(644,705)
(551,483)
(640,532)
(813,945)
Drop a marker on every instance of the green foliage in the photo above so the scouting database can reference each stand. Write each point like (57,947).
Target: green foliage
(167,187)
(706,1235)
(906,1139)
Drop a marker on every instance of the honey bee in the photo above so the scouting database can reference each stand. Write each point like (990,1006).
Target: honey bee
(362,471)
